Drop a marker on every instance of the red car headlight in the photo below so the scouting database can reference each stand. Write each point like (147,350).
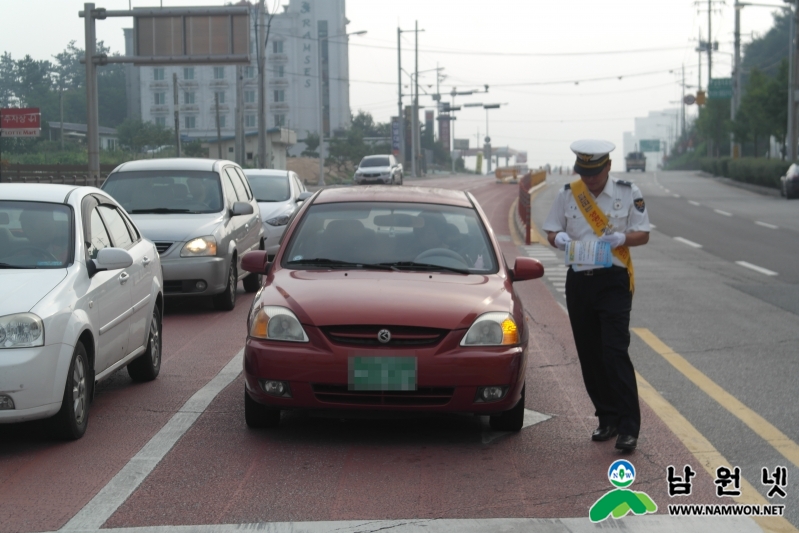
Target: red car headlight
(277,323)
(492,329)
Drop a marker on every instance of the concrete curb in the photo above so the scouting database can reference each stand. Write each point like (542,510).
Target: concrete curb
(766,191)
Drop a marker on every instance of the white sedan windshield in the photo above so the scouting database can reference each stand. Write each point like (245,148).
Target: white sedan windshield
(35,235)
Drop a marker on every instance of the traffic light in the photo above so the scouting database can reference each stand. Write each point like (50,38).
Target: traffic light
(700,98)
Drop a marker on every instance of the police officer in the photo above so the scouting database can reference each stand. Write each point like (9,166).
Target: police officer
(597,207)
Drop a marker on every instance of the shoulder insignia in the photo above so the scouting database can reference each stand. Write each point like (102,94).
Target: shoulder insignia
(567,187)
(625,183)
(640,205)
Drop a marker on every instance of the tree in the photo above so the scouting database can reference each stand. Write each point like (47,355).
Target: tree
(135,135)
(311,141)
(713,124)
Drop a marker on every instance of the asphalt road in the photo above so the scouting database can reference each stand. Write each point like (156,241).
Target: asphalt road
(175,454)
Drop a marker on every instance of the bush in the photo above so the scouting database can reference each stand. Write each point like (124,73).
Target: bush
(754,170)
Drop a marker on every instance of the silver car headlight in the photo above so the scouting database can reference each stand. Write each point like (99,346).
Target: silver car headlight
(278,324)
(281,220)
(492,329)
(199,247)
(21,330)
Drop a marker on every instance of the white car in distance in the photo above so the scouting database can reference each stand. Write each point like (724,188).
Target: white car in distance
(80,297)
(279,193)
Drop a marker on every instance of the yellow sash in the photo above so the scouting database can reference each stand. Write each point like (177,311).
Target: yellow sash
(598,222)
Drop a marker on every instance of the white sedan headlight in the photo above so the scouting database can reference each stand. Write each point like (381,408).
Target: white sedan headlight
(278,324)
(281,220)
(21,330)
(492,329)
(199,247)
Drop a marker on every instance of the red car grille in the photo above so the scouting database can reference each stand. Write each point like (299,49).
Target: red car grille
(367,335)
(340,394)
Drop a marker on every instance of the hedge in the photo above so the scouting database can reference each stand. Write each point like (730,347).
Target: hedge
(755,170)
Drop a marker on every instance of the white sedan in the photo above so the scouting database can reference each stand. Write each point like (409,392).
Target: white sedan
(81,295)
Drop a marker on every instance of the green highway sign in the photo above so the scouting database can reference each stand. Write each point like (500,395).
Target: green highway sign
(720,88)
(651,145)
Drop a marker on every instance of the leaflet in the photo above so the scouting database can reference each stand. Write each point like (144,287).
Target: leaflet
(583,255)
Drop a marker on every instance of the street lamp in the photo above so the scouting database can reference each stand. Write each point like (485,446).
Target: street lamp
(321,182)
(487,146)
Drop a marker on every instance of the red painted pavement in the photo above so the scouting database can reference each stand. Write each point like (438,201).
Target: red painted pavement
(315,468)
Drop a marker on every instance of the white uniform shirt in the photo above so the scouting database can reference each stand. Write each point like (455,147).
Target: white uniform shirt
(621,201)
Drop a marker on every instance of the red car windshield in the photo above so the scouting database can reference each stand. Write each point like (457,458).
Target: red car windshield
(401,235)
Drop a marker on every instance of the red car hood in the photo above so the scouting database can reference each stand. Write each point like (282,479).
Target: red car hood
(435,300)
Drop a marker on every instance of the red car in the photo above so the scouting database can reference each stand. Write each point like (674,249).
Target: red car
(387,299)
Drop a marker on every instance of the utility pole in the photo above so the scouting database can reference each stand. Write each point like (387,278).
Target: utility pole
(699,57)
(709,43)
(735,148)
(792,70)
(261,41)
(240,139)
(218,126)
(415,117)
(177,113)
(321,181)
(400,114)
(61,107)
(92,107)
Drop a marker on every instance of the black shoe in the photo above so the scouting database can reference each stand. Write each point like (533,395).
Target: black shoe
(604,433)
(626,443)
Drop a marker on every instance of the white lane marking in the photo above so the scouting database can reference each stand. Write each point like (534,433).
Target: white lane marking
(725,213)
(686,241)
(676,195)
(666,190)
(756,268)
(766,225)
(107,501)
(694,203)
(641,524)
(652,226)
(531,418)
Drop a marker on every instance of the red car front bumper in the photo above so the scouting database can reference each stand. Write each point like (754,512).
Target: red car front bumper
(447,377)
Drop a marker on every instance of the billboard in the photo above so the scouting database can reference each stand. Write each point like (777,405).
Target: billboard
(395,136)
(187,37)
(444,130)
(461,144)
(20,122)
(650,145)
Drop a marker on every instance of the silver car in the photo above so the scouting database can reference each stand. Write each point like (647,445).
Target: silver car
(202,216)
(379,169)
(279,193)
(80,298)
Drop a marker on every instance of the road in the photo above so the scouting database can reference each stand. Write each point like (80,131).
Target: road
(176,452)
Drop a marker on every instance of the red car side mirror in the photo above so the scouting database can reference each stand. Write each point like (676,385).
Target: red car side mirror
(255,262)
(526,268)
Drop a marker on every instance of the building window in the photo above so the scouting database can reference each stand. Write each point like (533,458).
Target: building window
(277,47)
(249,97)
(222,121)
(158,74)
(280,121)
(188,73)
(219,73)
(249,121)
(190,122)
(280,96)
(280,71)
(221,96)
(249,72)
(188,97)
(160,121)
(160,98)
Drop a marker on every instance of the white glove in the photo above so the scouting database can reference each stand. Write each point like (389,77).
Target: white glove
(562,239)
(615,239)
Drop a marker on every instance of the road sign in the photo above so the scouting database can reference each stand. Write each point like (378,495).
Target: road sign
(689,99)
(20,122)
(720,88)
(460,144)
(649,145)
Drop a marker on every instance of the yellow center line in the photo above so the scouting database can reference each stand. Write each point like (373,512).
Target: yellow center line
(776,438)
(708,456)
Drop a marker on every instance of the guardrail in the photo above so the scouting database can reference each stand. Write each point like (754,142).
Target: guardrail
(526,184)
(66,174)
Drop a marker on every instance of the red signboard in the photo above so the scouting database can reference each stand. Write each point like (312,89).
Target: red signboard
(20,122)
(443,130)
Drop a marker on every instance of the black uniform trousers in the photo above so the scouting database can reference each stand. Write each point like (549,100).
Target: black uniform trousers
(599,305)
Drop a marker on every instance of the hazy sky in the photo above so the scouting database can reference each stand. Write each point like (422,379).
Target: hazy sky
(530,53)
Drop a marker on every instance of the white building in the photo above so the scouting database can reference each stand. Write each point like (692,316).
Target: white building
(292,79)
(663,126)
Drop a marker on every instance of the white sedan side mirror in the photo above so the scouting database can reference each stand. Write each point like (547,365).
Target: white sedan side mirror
(113,259)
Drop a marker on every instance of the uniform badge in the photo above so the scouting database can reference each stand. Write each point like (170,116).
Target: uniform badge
(640,205)
(617,205)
